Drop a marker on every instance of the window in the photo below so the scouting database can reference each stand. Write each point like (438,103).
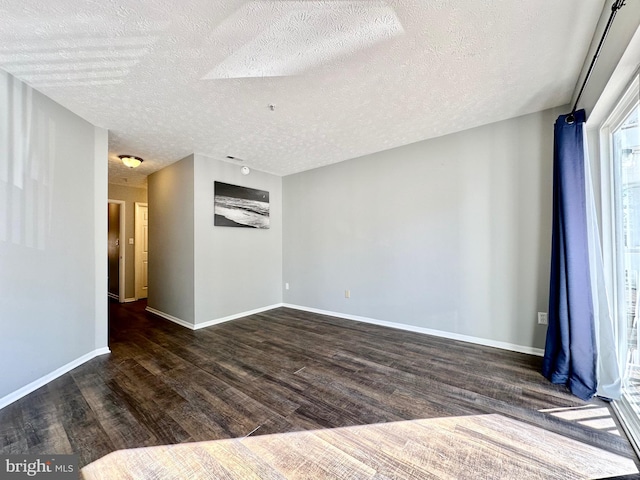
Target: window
(620,163)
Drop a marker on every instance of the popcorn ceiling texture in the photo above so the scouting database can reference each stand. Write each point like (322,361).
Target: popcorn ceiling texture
(348,78)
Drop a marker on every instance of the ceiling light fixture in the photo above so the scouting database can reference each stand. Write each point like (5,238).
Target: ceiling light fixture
(130,161)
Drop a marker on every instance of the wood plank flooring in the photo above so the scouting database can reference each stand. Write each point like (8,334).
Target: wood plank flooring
(276,372)
(469,447)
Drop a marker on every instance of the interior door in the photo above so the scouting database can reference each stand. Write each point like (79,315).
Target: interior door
(114,250)
(142,250)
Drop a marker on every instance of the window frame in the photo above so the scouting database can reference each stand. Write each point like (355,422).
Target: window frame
(609,207)
(630,99)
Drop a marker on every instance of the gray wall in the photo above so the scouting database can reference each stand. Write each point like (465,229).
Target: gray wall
(171,240)
(130,195)
(451,234)
(100,176)
(236,269)
(51,185)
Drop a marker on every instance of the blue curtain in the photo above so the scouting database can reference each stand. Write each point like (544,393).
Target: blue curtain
(570,356)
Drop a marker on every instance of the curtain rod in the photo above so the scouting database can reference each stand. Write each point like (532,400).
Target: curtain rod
(617,5)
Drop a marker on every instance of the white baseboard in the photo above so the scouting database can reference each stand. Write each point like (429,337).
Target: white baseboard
(401,326)
(236,316)
(171,318)
(116,297)
(428,331)
(27,389)
(210,323)
(101,351)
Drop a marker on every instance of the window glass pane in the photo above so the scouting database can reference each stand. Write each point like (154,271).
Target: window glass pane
(626,157)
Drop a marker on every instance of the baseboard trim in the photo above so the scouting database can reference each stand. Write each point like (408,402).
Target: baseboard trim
(129,300)
(428,331)
(42,381)
(235,316)
(210,323)
(171,318)
(383,323)
(101,351)
(113,295)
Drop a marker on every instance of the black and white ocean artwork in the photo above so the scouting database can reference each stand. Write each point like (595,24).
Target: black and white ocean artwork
(236,206)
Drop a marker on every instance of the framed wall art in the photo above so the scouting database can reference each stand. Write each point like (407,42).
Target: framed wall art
(236,206)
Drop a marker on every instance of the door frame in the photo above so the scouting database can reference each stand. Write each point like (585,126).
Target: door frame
(138,245)
(627,101)
(121,240)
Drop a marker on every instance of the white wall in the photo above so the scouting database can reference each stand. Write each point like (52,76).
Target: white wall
(171,241)
(53,186)
(236,269)
(451,234)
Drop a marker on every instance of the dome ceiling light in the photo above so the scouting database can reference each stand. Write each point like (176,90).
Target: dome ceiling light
(130,161)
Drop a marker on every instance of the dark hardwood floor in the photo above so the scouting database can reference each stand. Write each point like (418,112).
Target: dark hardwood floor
(278,371)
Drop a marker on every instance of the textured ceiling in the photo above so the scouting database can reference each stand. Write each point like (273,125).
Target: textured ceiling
(346,78)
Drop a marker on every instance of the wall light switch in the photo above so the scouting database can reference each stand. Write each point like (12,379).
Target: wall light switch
(347,294)
(131,241)
(286,286)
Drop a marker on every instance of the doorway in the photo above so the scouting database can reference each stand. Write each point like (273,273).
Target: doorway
(115,255)
(142,249)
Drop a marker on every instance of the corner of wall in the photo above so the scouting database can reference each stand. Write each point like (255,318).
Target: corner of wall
(171,240)
(101,193)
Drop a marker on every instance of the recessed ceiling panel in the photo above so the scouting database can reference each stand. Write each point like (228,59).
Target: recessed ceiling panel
(297,36)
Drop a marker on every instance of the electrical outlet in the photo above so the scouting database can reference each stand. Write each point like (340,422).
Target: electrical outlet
(347,294)
(543,318)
